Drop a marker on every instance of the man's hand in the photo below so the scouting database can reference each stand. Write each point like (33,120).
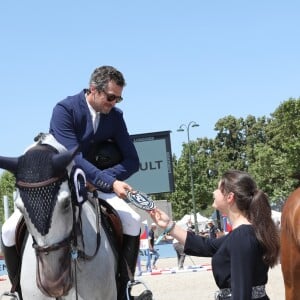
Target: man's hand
(120,188)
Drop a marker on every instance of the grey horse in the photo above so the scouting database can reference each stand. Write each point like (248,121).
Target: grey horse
(67,254)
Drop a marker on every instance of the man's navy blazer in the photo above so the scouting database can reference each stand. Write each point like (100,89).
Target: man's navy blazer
(71,125)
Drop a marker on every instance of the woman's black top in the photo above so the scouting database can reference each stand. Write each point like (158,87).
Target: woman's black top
(236,260)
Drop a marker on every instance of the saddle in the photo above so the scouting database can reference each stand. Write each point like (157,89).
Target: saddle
(112,225)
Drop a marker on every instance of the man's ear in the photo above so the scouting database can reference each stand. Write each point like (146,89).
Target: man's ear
(93,89)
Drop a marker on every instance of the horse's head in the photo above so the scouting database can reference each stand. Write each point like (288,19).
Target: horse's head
(48,184)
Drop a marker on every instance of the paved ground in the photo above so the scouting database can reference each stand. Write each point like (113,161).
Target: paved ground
(187,285)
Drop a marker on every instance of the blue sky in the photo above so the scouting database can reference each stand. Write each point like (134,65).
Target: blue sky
(183,61)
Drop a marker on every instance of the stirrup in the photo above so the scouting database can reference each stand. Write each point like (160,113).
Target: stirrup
(14,295)
(145,295)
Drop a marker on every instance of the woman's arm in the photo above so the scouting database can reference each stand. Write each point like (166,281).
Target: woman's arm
(193,244)
(164,222)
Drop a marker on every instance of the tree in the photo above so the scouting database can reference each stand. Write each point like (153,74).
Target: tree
(203,169)
(283,140)
(266,147)
(7,187)
(230,143)
(283,131)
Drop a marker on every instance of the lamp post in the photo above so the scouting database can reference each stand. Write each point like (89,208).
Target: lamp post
(187,128)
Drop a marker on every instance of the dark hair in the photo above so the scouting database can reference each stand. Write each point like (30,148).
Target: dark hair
(254,204)
(103,75)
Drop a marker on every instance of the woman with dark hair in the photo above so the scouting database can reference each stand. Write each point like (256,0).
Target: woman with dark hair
(242,258)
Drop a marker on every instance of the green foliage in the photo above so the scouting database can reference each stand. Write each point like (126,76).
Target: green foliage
(7,187)
(266,147)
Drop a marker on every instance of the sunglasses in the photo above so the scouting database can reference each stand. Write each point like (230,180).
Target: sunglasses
(112,97)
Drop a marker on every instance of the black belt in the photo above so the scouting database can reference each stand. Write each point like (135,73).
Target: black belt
(257,292)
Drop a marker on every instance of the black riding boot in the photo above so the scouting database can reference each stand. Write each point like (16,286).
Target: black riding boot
(130,253)
(13,266)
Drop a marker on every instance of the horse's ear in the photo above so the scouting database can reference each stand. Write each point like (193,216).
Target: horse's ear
(9,163)
(61,160)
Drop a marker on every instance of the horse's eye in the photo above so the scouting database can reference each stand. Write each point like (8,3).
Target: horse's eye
(64,201)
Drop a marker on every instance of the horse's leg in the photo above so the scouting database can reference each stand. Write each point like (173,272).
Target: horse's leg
(291,271)
(287,263)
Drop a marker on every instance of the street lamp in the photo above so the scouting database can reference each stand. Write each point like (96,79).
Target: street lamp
(187,128)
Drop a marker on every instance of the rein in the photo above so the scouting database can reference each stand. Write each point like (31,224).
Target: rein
(54,247)
(82,254)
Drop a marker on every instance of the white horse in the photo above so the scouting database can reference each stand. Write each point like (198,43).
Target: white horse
(68,254)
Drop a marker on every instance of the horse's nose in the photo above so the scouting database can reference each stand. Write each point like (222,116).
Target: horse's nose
(54,272)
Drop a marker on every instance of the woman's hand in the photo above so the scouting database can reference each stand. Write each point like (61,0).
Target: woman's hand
(164,221)
(160,217)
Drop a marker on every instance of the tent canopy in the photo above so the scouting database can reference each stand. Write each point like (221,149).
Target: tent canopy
(201,220)
(276,216)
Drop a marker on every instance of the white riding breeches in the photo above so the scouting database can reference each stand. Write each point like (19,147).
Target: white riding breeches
(131,221)
(9,229)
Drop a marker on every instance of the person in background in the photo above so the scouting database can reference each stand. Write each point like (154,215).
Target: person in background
(213,230)
(190,226)
(153,252)
(179,249)
(86,120)
(242,258)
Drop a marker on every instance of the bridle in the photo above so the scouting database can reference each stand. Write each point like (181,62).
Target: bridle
(71,242)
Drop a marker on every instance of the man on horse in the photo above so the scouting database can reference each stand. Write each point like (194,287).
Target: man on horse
(88,119)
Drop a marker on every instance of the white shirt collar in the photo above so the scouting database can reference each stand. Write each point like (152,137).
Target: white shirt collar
(94,115)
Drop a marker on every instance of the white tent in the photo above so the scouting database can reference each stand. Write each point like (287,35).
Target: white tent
(201,220)
(276,216)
